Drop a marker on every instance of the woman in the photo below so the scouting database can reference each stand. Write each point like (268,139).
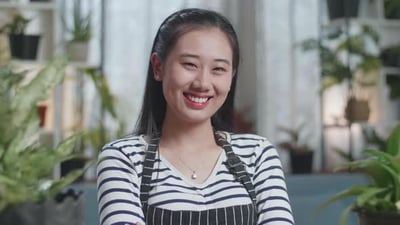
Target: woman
(183,165)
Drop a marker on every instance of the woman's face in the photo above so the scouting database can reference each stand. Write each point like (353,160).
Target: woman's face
(196,75)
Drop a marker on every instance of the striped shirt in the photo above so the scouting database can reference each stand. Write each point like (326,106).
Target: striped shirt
(119,173)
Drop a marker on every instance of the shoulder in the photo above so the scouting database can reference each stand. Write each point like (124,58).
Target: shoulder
(129,145)
(250,144)
(248,140)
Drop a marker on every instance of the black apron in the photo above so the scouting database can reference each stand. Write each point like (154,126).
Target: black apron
(238,215)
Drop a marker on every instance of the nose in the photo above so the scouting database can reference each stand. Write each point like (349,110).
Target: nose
(202,81)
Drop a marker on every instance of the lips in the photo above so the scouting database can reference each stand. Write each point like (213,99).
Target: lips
(197,102)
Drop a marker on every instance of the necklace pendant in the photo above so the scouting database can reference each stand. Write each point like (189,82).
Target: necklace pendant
(194,175)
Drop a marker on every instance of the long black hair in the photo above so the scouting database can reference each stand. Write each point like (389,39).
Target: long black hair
(177,24)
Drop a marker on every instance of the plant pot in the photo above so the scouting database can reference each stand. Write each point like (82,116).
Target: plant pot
(78,51)
(51,212)
(301,162)
(342,8)
(24,46)
(391,57)
(378,218)
(357,110)
(72,164)
(42,114)
(393,82)
(391,10)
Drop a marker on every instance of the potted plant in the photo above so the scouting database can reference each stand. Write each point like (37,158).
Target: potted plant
(301,155)
(342,8)
(390,56)
(29,193)
(392,9)
(22,45)
(393,81)
(334,70)
(78,26)
(379,201)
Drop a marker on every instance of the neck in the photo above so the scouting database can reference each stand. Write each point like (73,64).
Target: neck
(179,134)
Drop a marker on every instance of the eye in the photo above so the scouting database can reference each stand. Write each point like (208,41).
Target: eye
(219,69)
(189,65)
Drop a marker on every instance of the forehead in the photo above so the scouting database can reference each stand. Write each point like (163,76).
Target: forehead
(211,42)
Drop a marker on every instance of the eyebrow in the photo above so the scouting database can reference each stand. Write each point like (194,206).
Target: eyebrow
(184,55)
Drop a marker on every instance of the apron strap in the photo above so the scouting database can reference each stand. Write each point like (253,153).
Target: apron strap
(236,166)
(148,165)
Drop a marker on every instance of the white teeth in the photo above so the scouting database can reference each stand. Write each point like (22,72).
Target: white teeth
(197,99)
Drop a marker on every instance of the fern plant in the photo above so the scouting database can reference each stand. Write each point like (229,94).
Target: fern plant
(26,166)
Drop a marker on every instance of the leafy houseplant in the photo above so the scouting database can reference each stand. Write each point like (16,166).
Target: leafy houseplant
(27,187)
(379,201)
(335,70)
(301,155)
(80,31)
(22,46)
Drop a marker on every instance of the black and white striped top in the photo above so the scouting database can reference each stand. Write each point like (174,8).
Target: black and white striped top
(120,168)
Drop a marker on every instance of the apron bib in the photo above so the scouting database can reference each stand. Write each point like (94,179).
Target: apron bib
(238,215)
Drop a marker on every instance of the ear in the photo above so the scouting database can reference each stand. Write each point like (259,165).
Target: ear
(157,66)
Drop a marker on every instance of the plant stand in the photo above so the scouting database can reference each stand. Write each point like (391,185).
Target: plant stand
(69,211)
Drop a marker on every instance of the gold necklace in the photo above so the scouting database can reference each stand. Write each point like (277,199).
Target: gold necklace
(194,175)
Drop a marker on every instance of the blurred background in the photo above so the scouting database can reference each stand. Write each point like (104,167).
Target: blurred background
(319,78)
(305,69)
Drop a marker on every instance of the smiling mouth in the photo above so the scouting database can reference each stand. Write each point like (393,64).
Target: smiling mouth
(197,100)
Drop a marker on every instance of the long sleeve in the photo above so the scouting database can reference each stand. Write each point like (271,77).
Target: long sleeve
(118,186)
(270,186)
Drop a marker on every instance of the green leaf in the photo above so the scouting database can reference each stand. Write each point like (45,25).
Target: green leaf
(393,142)
(38,89)
(374,169)
(367,194)
(58,185)
(345,215)
(66,147)
(383,156)
(355,190)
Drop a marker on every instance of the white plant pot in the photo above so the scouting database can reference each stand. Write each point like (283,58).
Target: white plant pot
(78,51)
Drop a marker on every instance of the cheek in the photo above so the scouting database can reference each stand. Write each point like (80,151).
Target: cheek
(224,85)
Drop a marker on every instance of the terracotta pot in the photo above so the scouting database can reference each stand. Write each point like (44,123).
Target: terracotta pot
(42,114)
(378,218)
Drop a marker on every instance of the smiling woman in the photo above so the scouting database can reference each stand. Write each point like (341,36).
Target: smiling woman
(183,164)
(196,75)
